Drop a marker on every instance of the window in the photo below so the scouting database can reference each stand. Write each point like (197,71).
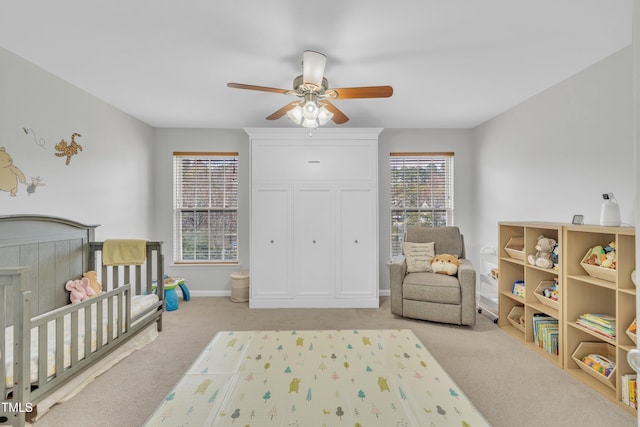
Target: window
(421,193)
(206,207)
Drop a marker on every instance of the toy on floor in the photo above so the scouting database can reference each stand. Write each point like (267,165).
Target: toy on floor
(170,294)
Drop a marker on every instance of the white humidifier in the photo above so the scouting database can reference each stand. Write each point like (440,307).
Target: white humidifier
(610,212)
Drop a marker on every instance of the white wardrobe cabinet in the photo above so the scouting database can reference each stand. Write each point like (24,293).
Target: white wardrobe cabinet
(314,221)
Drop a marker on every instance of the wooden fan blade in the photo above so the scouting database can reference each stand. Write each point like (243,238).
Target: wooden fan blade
(260,88)
(364,92)
(281,112)
(338,116)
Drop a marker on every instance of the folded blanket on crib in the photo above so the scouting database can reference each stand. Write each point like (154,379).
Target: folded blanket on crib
(124,252)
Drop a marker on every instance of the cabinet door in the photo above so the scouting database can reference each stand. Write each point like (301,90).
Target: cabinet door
(358,243)
(314,242)
(270,242)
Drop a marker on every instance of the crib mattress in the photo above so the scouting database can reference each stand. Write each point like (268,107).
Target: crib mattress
(139,304)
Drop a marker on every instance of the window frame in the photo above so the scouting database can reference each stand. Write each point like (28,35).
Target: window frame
(221,212)
(424,214)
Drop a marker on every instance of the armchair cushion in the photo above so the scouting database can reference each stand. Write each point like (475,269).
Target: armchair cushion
(433,287)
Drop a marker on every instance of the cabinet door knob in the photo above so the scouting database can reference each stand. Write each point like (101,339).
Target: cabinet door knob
(314,241)
(272,242)
(356,241)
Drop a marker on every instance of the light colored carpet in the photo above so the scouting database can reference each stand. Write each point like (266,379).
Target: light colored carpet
(508,383)
(316,378)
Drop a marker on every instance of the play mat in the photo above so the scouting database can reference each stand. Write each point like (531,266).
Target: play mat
(351,378)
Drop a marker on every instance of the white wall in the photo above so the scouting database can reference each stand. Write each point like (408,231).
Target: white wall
(457,141)
(214,280)
(201,279)
(545,159)
(107,183)
(554,155)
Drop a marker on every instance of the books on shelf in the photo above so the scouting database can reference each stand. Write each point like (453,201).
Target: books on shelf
(545,332)
(629,389)
(602,324)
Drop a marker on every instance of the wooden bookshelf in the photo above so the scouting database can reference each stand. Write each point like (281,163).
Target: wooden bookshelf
(612,293)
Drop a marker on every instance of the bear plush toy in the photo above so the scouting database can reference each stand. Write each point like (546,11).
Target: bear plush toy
(80,290)
(93,282)
(543,257)
(445,264)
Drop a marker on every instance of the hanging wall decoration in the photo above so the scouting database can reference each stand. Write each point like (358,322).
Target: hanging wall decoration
(35,182)
(10,175)
(67,150)
(39,142)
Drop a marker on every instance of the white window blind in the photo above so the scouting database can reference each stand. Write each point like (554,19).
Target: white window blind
(206,207)
(421,193)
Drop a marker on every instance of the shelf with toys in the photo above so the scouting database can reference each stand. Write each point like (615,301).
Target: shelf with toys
(579,309)
(530,282)
(600,305)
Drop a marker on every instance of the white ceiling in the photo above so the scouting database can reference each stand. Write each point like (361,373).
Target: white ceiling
(452,63)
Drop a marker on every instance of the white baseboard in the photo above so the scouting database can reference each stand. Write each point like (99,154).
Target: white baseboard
(218,293)
(210,293)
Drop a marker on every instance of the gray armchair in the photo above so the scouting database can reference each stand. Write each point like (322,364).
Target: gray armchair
(432,296)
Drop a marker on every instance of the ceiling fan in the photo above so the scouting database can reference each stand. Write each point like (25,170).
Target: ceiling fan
(313,107)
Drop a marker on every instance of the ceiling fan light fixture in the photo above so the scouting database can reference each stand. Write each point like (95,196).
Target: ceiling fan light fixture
(324,115)
(295,114)
(310,123)
(313,64)
(310,108)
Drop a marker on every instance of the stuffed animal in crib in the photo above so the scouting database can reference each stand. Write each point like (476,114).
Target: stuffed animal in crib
(445,264)
(80,290)
(543,256)
(93,282)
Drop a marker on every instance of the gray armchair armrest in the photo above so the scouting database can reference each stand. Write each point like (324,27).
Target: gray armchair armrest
(467,278)
(398,269)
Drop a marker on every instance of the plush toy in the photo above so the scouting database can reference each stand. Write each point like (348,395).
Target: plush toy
(93,282)
(445,264)
(555,254)
(595,256)
(543,257)
(80,290)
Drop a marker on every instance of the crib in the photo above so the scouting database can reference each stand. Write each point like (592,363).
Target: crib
(50,348)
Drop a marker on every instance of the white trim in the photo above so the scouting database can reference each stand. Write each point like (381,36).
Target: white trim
(322,133)
(225,293)
(315,303)
(210,293)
